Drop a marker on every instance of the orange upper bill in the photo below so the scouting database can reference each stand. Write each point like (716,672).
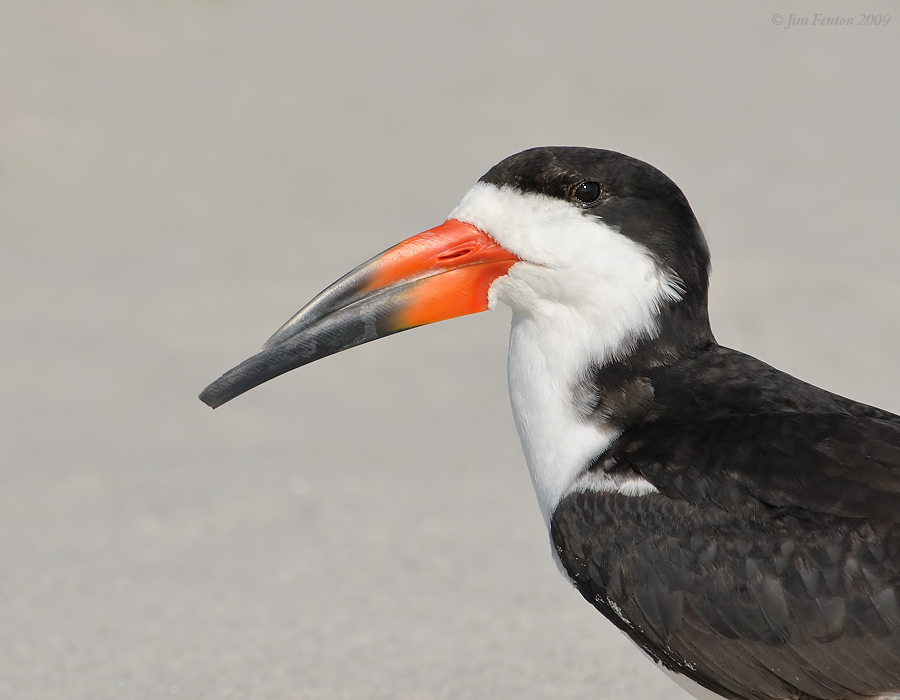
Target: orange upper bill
(447,271)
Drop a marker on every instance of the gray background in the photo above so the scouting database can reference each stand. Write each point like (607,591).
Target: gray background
(178,177)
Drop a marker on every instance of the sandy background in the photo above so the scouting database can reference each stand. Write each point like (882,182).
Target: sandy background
(177,178)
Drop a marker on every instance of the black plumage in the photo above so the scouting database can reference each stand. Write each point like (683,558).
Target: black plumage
(768,565)
(748,602)
(723,428)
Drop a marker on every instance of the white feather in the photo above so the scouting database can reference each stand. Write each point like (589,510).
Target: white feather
(583,294)
(599,482)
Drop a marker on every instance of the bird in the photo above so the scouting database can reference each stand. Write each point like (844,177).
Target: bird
(739,525)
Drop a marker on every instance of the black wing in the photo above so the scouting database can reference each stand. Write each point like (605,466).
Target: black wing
(724,427)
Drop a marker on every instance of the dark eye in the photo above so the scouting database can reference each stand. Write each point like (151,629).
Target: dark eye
(587,192)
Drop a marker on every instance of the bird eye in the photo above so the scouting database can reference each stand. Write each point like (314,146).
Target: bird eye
(587,192)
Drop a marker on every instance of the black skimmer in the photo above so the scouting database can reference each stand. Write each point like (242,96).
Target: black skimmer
(742,527)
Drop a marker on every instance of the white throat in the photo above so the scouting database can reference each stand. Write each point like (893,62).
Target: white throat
(582,295)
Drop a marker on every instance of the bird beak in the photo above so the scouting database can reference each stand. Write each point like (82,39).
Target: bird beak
(442,273)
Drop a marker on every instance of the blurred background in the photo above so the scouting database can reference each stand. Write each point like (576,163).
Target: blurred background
(178,178)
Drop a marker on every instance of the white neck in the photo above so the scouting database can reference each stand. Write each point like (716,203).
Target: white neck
(543,370)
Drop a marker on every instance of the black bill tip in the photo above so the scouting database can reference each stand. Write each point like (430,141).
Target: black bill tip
(250,373)
(359,323)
